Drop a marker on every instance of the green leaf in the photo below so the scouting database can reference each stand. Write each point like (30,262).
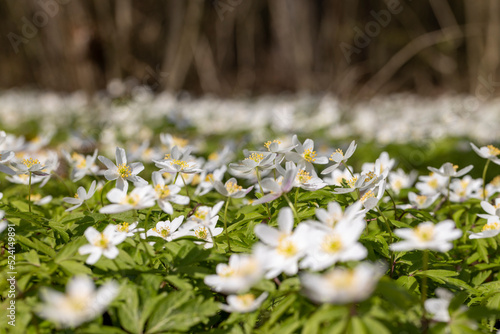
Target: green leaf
(374,326)
(37,245)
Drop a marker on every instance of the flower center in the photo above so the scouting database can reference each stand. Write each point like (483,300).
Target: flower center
(339,151)
(232,187)
(76,195)
(309,155)
(491,226)
(433,183)
(286,247)
(367,195)
(124,171)
(303,176)
(424,232)
(30,162)
(246,299)
(213,156)
(131,200)
(123,227)
(163,231)
(180,163)
(180,142)
(331,243)
(341,279)
(227,272)
(493,150)
(257,157)
(420,199)
(102,242)
(201,232)
(496,181)
(351,182)
(201,214)
(162,191)
(209,177)
(267,144)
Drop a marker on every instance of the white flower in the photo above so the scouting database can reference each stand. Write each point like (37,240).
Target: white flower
(168,230)
(123,172)
(382,165)
(421,201)
(205,215)
(334,213)
(282,248)
(260,160)
(341,285)
(6,156)
(400,180)
(128,229)
(489,152)
(81,302)
(450,170)
(167,193)
(178,162)
(427,235)
(80,196)
(337,176)
(491,210)
(328,245)
(489,230)
(371,197)
(231,188)
(203,229)
(139,198)
(465,188)
(280,186)
(304,155)
(82,165)
(432,184)
(219,159)
(438,307)
(207,180)
(243,303)
(30,166)
(237,276)
(39,200)
(101,243)
(338,157)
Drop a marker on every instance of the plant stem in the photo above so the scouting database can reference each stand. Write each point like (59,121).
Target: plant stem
(292,207)
(423,292)
(225,225)
(484,178)
(102,192)
(392,237)
(29,194)
(257,173)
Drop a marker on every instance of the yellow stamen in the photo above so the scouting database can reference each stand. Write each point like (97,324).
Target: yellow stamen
(368,194)
(286,247)
(309,155)
(331,243)
(123,227)
(162,191)
(337,151)
(424,232)
(201,232)
(491,226)
(246,299)
(102,242)
(182,164)
(213,156)
(30,162)
(257,157)
(303,176)
(493,150)
(124,170)
(268,144)
(232,187)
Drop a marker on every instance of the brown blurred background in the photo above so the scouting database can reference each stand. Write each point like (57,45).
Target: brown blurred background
(247,47)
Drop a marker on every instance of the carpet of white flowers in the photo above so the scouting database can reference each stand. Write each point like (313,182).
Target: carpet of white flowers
(175,228)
